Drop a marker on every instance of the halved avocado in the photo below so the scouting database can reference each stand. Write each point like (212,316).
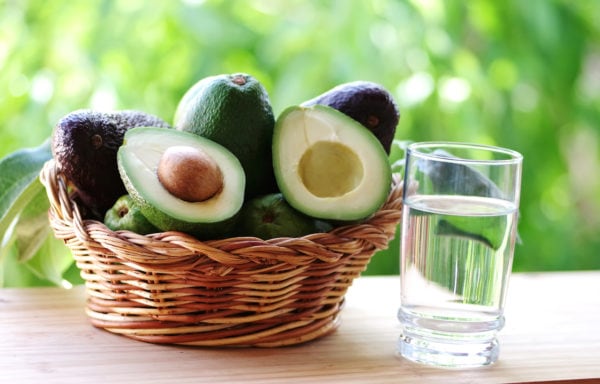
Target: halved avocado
(168,202)
(329,166)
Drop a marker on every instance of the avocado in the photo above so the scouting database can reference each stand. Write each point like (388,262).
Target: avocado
(182,181)
(366,102)
(85,144)
(327,165)
(126,215)
(270,216)
(233,110)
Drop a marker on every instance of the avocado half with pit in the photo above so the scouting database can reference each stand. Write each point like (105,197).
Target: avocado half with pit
(182,181)
(329,166)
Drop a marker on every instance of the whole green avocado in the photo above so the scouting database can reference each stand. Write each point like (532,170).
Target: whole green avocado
(270,216)
(85,144)
(233,110)
(368,103)
(126,215)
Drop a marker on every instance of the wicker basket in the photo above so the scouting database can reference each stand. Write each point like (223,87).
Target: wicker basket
(172,288)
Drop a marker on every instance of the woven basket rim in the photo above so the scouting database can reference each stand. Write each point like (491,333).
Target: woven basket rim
(172,244)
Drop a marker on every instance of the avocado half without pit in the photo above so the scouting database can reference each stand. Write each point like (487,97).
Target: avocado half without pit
(329,166)
(182,181)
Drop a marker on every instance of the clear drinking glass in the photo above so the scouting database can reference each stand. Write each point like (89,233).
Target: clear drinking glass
(459,229)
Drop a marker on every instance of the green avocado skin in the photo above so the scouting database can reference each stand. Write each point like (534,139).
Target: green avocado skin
(366,102)
(233,110)
(270,216)
(126,215)
(201,231)
(85,144)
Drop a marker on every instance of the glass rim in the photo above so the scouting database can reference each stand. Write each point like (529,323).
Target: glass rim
(514,157)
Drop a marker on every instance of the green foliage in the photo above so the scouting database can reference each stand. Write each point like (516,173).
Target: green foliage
(519,74)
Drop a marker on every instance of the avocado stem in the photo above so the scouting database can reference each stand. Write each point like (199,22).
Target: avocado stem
(238,79)
(372,121)
(96,141)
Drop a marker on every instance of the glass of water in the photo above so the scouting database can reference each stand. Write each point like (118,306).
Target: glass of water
(459,229)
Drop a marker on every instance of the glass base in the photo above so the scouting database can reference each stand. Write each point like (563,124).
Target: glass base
(448,354)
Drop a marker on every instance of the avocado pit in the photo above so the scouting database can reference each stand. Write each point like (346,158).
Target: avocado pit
(189,174)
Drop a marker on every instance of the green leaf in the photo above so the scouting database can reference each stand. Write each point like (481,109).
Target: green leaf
(26,233)
(32,226)
(50,261)
(19,183)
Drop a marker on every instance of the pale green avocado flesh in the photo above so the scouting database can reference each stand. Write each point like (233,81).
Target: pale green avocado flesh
(138,160)
(329,166)
(330,181)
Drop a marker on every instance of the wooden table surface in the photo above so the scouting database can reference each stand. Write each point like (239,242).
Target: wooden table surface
(552,333)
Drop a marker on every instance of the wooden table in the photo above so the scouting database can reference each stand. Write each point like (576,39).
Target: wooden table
(552,334)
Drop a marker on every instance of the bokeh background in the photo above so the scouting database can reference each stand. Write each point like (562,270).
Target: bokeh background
(519,74)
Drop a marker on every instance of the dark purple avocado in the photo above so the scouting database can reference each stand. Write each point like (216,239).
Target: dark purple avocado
(85,144)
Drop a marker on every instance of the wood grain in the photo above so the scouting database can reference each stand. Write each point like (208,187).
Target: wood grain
(552,334)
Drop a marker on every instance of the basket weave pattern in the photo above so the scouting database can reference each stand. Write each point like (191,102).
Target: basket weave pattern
(172,288)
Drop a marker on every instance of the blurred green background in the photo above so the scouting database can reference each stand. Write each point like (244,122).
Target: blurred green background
(519,74)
